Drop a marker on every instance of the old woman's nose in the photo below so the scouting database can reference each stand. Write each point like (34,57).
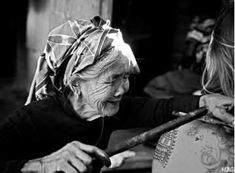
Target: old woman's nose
(123,88)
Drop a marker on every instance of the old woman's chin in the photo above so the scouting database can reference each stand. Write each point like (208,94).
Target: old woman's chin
(111,108)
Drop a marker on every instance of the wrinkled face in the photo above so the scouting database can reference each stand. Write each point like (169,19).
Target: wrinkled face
(104,93)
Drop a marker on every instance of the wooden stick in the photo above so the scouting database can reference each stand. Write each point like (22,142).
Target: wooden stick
(153,133)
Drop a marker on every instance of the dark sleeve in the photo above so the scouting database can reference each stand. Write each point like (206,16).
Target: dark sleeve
(15,135)
(140,111)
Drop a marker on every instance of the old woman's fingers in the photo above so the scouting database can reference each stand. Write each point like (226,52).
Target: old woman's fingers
(94,151)
(78,165)
(66,166)
(79,153)
(118,159)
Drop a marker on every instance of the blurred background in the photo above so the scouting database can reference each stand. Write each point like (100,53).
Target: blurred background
(169,40)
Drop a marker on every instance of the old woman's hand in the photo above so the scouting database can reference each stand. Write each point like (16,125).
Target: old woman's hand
(220,107)
(72,158)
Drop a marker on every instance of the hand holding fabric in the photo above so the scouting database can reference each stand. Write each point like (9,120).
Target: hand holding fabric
(219,107)
(72,158)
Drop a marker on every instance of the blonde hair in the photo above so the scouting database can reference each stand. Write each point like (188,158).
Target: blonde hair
(218,75)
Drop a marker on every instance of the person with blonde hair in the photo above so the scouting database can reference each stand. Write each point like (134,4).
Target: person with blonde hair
(218,76)
(206,145)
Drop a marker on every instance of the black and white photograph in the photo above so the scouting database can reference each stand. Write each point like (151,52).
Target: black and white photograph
(117,86)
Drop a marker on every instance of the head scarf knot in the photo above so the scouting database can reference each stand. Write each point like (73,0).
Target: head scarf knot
(70,48)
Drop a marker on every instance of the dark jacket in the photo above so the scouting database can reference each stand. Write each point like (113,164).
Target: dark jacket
(45,126)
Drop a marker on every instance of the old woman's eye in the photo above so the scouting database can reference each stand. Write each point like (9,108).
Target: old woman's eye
(126,77)
(111,81)
(116,78)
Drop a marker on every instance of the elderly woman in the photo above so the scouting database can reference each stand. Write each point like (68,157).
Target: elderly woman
(205,145)
(76,101)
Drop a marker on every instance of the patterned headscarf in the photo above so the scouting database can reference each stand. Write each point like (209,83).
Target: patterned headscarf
(70,48)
